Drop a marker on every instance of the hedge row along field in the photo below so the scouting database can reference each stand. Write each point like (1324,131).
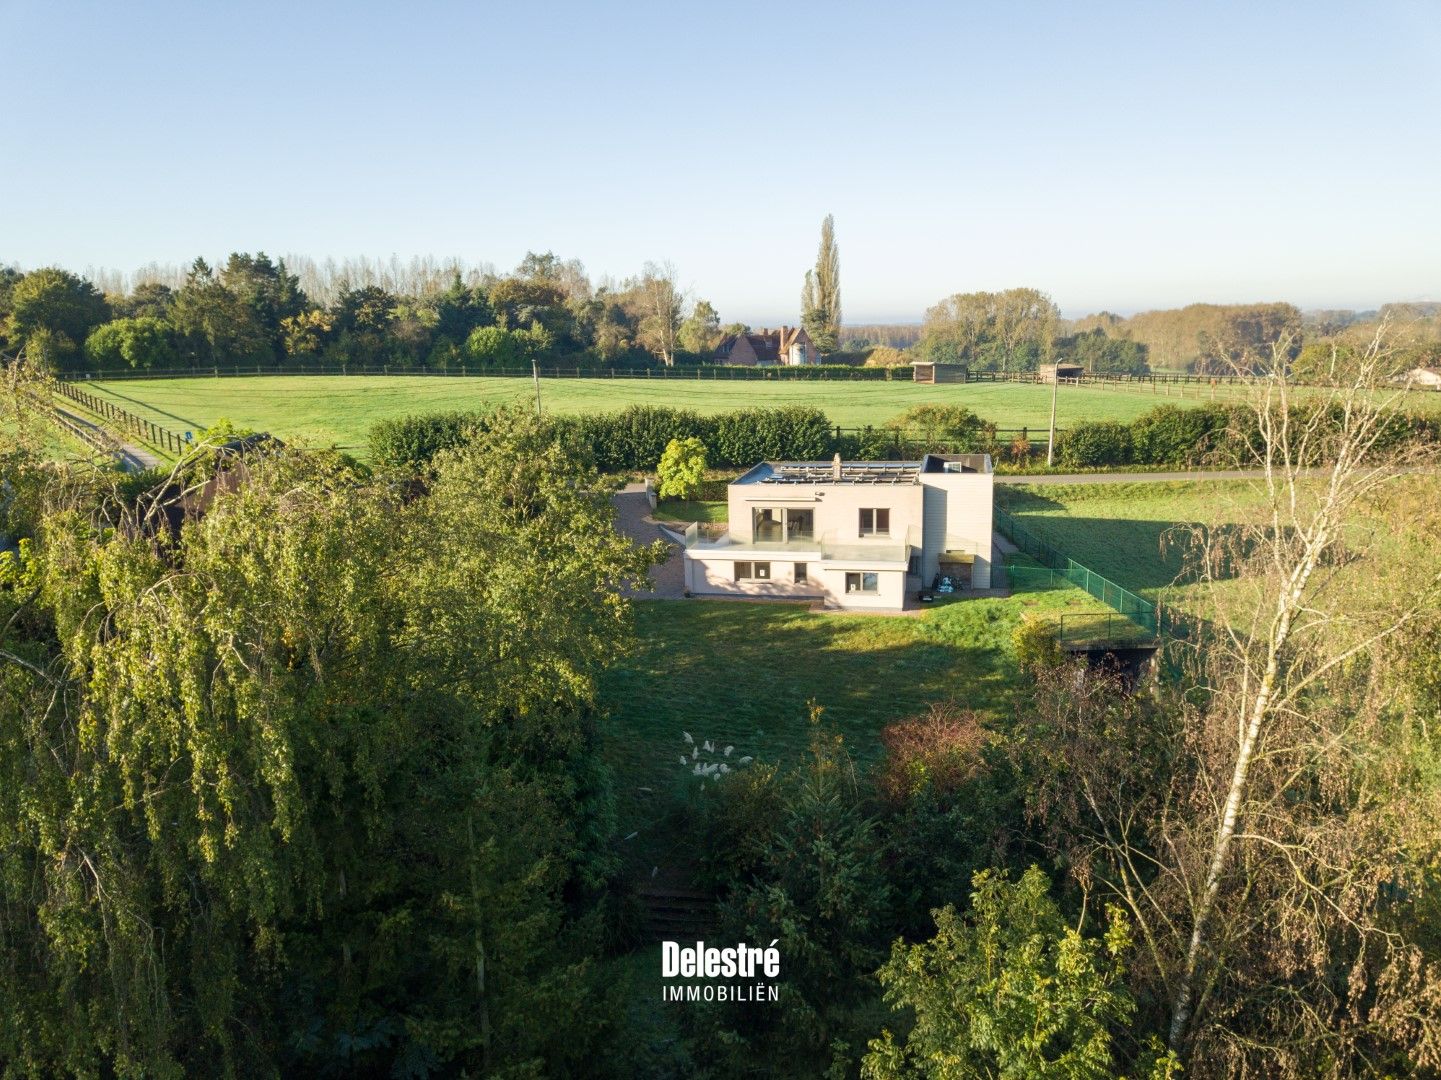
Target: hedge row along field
(634,438)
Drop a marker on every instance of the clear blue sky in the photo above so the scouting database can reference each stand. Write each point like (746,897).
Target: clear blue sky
(1119,156)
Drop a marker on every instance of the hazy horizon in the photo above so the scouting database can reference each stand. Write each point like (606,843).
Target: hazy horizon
(1120,157)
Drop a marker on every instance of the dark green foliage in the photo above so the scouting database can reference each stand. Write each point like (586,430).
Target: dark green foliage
(806,854)
(1096,443)
(632,439)
(411,442)
(746,436)
(259,819)
(950,808)
(1169,435)
(636,437)
(1095,351)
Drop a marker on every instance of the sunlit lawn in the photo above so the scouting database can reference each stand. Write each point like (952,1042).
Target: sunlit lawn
(743,674)
(325,410)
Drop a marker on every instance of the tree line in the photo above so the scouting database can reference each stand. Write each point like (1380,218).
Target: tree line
(253,310)
(1019,329)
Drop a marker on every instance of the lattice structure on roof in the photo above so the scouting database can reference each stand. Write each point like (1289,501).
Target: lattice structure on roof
(859,472)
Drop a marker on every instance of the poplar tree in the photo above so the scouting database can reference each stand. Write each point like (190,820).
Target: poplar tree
(821,296)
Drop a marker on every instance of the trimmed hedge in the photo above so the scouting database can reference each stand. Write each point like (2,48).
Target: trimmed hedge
(631,439)
(410,442)
(634,438)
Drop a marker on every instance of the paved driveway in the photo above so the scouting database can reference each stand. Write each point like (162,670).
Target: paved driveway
(632,518)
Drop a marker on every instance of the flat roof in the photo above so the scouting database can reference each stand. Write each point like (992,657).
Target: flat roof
(825,472)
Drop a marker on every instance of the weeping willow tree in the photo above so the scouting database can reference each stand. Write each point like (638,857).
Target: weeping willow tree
(306,787)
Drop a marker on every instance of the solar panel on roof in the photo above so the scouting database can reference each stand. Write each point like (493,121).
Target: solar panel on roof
(875,472)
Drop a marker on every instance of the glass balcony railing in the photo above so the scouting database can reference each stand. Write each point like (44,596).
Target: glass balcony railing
(826,546)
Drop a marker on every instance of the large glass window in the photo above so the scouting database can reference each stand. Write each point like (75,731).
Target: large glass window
(773,524)
(863,582)
(800,524)
(767,524)
(876,522)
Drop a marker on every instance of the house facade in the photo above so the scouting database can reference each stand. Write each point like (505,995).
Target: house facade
(790,346)
(1425,377)
(861,535)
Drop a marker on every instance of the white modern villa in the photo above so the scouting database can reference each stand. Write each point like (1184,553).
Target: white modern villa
(864,534)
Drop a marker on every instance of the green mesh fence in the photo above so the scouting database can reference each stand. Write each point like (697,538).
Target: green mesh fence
(1058,568)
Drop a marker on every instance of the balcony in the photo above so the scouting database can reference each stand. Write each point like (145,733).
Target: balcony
(824,548)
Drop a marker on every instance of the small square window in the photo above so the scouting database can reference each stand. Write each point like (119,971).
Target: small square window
(743,571)
(763,571)
(800,573)
(861,582)
(876,522)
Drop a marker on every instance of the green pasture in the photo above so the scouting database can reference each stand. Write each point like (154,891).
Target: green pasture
(334,409)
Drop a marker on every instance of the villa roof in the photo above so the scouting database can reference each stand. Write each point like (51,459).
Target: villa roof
(834,472)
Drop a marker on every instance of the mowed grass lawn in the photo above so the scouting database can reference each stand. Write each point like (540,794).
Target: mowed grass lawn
(743,673)
(326,410)
(1136,533)
(1131,533)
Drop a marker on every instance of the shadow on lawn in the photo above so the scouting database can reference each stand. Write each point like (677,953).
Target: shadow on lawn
(746,672)
(743,674)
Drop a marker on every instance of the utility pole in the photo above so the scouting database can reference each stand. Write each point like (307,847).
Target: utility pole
(535,374)
(1051,442)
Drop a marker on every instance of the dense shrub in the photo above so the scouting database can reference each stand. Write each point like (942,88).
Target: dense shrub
(410,442)
(1170,435)
(942,429)
(636,437)
(746,436)
(1091,444)
(681,468)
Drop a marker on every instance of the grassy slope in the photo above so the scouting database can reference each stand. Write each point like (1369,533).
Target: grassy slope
(338,409)
(742,674)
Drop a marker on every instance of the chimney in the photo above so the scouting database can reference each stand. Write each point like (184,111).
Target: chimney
(836,469)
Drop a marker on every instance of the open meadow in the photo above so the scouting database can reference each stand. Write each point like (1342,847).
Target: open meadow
(338,410)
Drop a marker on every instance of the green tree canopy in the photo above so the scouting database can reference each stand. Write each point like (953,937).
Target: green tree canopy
(51,313)
(1006,991)
(260,819)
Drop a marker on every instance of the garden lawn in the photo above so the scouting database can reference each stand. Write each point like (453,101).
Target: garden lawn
(743,673)
(681,510)
(1130,533)
(325,410)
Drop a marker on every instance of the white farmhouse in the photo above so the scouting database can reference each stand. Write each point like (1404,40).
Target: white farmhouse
(1425,377)
(866,534)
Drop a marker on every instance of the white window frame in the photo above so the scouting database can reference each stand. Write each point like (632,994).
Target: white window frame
(860,577)
(875,512)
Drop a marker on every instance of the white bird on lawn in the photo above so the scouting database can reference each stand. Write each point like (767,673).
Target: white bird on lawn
(709,749)
(686,735)
(728,750)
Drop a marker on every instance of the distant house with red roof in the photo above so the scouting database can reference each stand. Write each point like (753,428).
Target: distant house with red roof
(790,346)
